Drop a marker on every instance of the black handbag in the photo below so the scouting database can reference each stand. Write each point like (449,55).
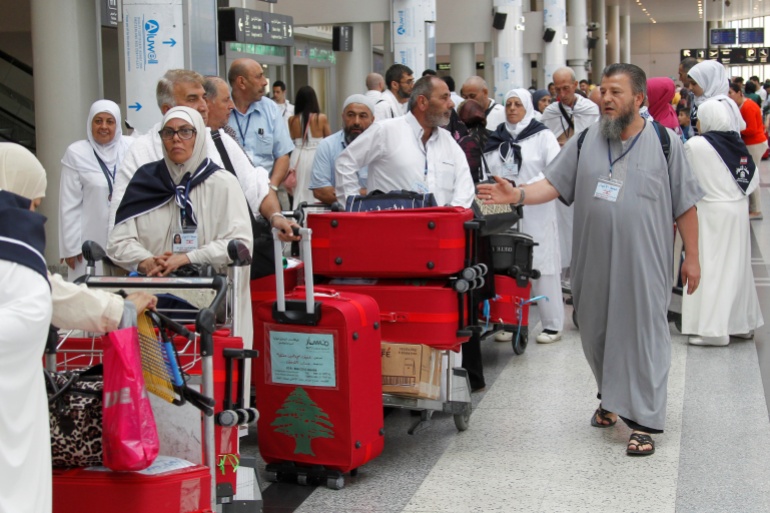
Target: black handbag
(75,413)
(394,200)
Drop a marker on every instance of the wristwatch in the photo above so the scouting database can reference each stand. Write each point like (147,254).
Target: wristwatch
(274,187)
(521,198)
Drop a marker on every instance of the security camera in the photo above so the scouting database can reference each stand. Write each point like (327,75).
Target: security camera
(593,26)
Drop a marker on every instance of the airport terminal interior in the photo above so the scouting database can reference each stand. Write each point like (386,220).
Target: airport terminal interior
(529,446)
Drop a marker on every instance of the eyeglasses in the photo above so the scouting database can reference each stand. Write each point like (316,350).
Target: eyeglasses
(184,133)
(407,82)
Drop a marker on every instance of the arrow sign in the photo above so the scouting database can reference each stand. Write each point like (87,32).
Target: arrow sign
(137,106)
(171,42)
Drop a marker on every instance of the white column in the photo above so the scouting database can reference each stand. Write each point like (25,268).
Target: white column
(577,50)
(625,39)
(387,44)
(64,46)
(462,59)
(509,71)
(554,53)
(613,34)
(352,67)
(598,54)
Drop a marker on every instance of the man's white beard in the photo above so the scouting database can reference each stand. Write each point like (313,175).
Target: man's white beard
(612,128)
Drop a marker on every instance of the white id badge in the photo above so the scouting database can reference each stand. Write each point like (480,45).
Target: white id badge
(420,187)
(608,189)
(185,242)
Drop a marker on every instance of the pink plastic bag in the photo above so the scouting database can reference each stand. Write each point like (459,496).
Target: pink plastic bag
(129,436)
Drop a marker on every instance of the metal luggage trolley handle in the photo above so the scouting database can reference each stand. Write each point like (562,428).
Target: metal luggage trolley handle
(205,326)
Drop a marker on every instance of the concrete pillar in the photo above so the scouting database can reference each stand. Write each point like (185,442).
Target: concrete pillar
(509,62)
(613,34)
(554,53)
(462,59)
(64,45)
(387,44)
(598,54)
(577,50)
(625,39)
(352,67)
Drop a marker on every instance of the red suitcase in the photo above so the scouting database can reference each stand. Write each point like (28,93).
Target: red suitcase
(182,490)
(263,289)
(426,242)
(510,309)
(318,382)
(414,311)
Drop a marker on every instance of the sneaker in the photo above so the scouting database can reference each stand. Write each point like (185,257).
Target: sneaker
(744,336)
(503,336)
(548,338)
(709,341)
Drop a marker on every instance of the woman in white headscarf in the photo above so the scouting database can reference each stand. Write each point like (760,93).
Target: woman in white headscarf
(183,194)
(87,176)
(520,149)
(709,82)
(30,301)
(726,303)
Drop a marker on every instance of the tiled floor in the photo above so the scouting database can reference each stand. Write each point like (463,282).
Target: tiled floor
(530,447)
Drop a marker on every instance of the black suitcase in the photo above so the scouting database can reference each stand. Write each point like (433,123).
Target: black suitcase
(512,255)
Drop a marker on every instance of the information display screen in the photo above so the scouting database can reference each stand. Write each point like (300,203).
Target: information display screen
(723,36)
(751,36)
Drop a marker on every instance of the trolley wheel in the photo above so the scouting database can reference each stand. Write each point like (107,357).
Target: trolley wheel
(302,479)
(335,483)
(520,342)
(354,472)
(574,318)
(271,476)
(462,420)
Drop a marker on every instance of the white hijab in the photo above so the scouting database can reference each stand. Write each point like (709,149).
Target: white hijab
(526,99)
(112,152)
(711,76)
(80,155)
(714,116)
(20,172)
(199,153)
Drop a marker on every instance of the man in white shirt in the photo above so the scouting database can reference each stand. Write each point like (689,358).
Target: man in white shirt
(399,80)
(572,113)
(375,86)
(476,88)
(411,152)
(279,97)
(456,98)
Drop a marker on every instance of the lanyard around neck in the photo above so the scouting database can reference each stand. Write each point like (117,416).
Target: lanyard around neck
(609,149)
(109,175)
(240,130)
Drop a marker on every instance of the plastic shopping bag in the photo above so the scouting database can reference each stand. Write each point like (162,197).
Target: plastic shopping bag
(129,436)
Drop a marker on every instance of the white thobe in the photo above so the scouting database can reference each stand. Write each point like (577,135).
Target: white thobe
(397,159)
(495,116)
(254,181)
(388,107)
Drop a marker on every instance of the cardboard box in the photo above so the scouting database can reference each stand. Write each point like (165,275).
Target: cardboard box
(412,370)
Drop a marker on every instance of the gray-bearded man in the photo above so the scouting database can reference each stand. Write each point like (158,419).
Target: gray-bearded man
(625,204)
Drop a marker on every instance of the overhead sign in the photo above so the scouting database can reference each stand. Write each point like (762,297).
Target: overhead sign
(736,55)
(240,25)
(153,44)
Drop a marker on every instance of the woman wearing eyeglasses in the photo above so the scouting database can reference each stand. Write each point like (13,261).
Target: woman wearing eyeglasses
(519,150)
(184,193)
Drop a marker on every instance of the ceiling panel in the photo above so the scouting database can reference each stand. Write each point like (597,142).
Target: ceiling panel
(687,10)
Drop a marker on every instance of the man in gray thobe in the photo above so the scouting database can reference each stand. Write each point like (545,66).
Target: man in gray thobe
(626,198)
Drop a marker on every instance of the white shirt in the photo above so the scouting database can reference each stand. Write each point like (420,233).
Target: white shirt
(584,114)
(397,159)
(456,99)
(388,107)
(254,181)
(495,116)
(762,94)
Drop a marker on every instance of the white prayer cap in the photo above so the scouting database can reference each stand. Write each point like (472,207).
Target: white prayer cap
(359,98)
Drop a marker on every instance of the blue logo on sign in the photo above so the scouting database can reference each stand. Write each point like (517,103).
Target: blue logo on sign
(401,30)
(151,28)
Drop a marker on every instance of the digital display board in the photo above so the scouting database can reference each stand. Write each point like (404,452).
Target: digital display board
(723,36)
(751,36)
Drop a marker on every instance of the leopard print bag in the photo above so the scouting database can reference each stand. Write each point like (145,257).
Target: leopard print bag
(75,411)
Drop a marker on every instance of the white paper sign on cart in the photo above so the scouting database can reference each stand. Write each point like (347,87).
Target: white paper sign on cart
(153,40)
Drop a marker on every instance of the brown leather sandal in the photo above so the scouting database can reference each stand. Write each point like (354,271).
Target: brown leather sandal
(636,441)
